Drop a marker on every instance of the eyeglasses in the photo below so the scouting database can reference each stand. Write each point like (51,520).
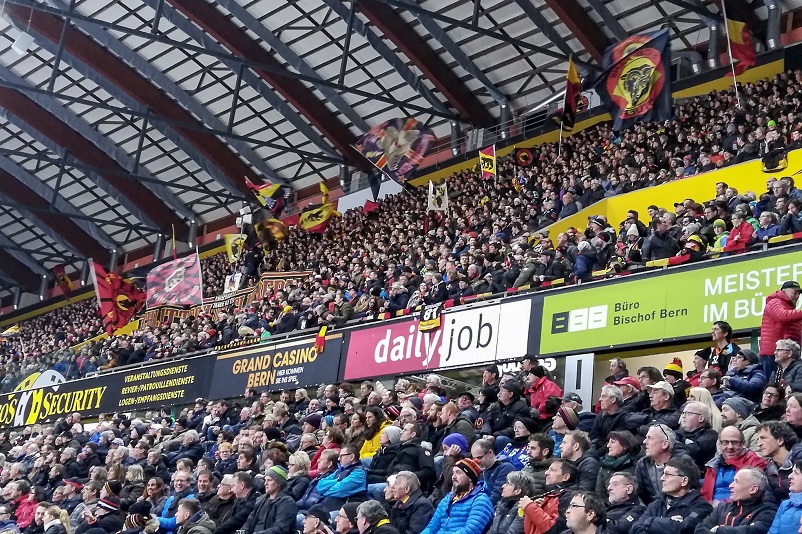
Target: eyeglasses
(342,516)
(572,505)
(726,442)
(667,474)
(771,395)
(345,454)
(684,414)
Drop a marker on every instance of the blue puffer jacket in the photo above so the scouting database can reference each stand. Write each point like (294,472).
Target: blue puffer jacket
(494,477)
(749,382)
(167,521)
(787,518)
(469,515)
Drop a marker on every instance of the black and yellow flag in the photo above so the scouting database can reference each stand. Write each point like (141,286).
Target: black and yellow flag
(573,90)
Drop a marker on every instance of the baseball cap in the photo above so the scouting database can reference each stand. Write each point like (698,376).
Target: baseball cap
(791,284)
(665,386)
(573,397)
(628,381)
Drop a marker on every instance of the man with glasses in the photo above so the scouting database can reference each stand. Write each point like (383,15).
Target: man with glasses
(721,470)
(585,514)
(220,506)
(625,506)
(681,507)
(6,522)
(781,320)
(182,489)
(737,412)
(698,439)
(348,482)
(346,519)
(789,368)
(90,493)
(244,503)
(493,470)
(747,510)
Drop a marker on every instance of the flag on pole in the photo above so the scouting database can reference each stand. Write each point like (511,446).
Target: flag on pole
(438,196)
(573,91)
(742,49)
(315,217)
(176,282)
(234,244)
(524,157)
(369,206)
(487,162)
(271,196)
(11,331)
(119,299)
(63,281)
(636,83)
(320,339)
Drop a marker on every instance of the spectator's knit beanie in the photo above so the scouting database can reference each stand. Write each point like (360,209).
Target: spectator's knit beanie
(278,474)
(113,487)
(470,467)
(312,419)
(350,509)
(674,369)
(272,433)
(740,405)
(329,420)
(569,416)
(138,515)
(110,503)
(458,440)
(393,434)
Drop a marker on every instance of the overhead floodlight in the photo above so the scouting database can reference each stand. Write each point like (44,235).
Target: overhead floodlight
(22,43)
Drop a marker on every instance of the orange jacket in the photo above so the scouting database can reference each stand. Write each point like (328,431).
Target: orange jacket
(539,519)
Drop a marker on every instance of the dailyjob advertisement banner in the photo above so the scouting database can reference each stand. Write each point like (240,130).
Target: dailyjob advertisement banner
(654,308)
(470,336)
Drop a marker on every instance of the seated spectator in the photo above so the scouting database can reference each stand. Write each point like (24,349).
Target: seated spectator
(768,227)
(789,513)
(182,489)
(789,368)
(680,507)
(746,378)
(610,418)
(737,412)
(791,222)
(106,516)
(721,470)
(585,514)
(517,450)
(771,406)
(541,450)
(625,506)
(316,521)
(493,470)
(623,452)
(779,446)
(712,380)
(412,511)
(746,510)
(575,448)
(298,475)
(697,438)
(467,509)
(411,456)
(192,518)
(274,512)
(347,483)
(741,235)
(547,513)
(661,408)
(346,520)
(659,448)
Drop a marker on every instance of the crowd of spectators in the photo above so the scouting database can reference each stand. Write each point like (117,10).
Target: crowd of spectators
(491,239)
(717,449)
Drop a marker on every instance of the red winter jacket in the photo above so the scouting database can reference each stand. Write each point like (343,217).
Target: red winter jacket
(24,511)
(542,389)
(744,232)
(747,459)
(780,321)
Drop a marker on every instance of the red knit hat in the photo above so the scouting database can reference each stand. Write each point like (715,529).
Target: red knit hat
(470,467)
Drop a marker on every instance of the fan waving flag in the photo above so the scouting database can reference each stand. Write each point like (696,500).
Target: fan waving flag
(176,282)
(396,147)
(740,39)
(487,162)
(573,91)
(119,299)
(438,197)
(636,83)
(315,217)
(63,281)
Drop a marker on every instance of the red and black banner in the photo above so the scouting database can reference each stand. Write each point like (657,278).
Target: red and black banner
(119,299)
(573,91)
(176,282)
(739,34)
(63,281)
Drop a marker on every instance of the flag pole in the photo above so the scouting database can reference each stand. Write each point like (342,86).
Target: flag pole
(729,51)
(565,100)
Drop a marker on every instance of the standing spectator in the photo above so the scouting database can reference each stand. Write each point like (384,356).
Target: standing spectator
(542,388)
(781,320)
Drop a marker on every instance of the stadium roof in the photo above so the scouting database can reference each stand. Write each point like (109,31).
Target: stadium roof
(125,118)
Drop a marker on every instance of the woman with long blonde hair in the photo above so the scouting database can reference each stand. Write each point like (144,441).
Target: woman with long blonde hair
(702,395)
(57,521)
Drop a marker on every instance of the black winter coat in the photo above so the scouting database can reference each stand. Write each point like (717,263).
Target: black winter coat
(219,510)
(410,456)
(273,516)
(503,419)
(699,444)
(239,514)
(680,517)
(412,516)
(603,425)
(379,468)
(588,467)
(751,516)
(506,519)
(621,517)
(296,486)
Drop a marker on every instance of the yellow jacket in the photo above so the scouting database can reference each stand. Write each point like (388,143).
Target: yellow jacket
(372,445)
